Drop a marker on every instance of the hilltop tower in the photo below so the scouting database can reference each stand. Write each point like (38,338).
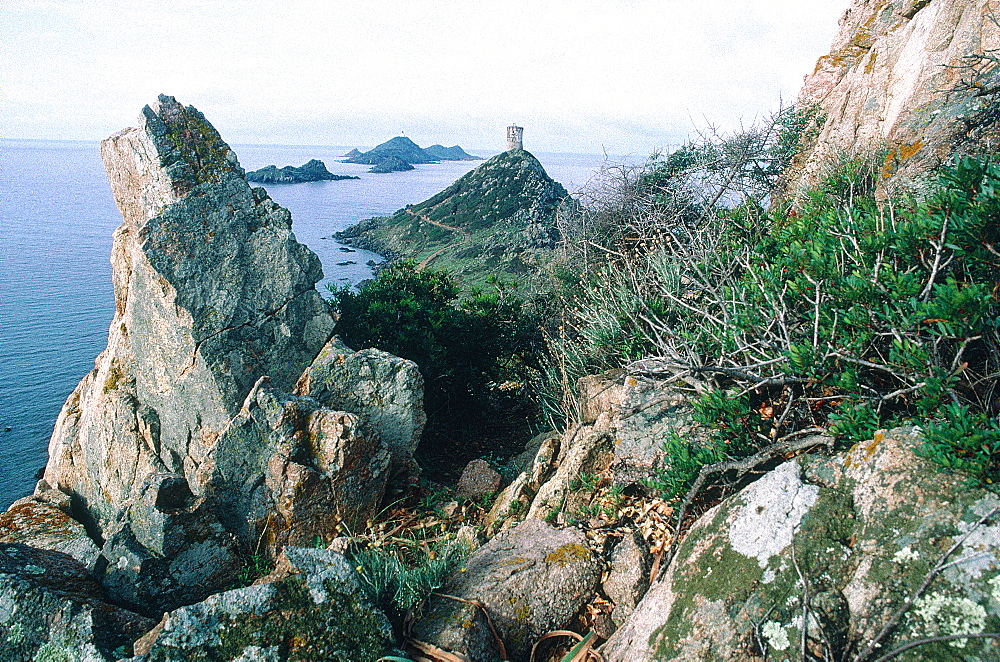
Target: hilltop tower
(514,136)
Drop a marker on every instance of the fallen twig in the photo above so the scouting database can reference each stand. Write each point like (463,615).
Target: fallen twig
(780,447)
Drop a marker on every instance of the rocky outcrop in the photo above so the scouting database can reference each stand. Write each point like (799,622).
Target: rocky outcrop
(531,579)
(183,449)
(820,553)
(313,610)
(42,525)
(312,171)
(917,77)
(52,609)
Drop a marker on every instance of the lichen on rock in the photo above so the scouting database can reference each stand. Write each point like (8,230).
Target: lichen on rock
(852,535)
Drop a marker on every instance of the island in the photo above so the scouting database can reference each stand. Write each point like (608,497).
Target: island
(313,171)
(409,152)
(454,153)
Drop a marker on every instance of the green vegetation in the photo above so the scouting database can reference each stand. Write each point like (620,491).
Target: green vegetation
(834,313)
(399,585)
(831,312)
(475,355)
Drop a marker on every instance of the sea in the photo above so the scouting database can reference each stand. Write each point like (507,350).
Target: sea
(56,302)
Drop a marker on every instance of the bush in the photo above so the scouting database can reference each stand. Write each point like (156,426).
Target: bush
(474,352)
(839,313)
(396,586)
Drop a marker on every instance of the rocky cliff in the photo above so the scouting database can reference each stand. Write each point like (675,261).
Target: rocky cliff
(916,78)
(184,450)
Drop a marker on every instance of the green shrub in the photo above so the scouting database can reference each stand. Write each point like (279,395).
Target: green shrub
(840,313)
(397,586)
(966,442)
(474,352)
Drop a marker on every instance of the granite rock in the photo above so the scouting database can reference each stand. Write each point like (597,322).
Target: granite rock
(531,579)
(183,451)
(844,538)
(313,610)
(908,76)
(52,609)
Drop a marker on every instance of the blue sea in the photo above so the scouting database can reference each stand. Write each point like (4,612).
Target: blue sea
(56,300)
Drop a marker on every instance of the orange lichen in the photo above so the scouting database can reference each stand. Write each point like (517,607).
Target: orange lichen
(908,151)
(566,554)
(871,62)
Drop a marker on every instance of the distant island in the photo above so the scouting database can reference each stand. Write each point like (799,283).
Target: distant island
(390,164)
(455,153)
(313,171)
(409,152)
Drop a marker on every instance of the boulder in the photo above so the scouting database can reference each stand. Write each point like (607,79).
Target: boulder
(628,577)
(646,415)
(531,579)
(832,545)
(313,609)
(385,389)
(478,479)
(44,526)
(906,75)
(52,609)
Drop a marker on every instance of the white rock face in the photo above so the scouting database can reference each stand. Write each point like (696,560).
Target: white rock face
(902,75)
(774,506)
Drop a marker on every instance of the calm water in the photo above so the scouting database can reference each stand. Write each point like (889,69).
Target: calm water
(56,302)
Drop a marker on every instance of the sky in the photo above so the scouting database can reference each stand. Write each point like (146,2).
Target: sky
(613,76)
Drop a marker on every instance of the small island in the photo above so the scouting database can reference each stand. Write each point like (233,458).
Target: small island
(313,171)
(390,164)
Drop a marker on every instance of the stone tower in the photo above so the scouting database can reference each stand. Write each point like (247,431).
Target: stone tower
(514,135)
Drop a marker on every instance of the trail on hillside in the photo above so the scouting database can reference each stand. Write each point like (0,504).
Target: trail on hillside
(427,260)
(437,223)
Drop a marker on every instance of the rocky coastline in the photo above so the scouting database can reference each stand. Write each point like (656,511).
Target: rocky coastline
(222,485)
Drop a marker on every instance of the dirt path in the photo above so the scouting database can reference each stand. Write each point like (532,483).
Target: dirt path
(427,260)
(440,225)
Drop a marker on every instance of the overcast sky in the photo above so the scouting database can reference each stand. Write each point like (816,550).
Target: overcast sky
(621,76)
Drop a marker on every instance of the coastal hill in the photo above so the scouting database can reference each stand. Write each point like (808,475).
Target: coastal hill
(406,150)
(313,171)
(493,220)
